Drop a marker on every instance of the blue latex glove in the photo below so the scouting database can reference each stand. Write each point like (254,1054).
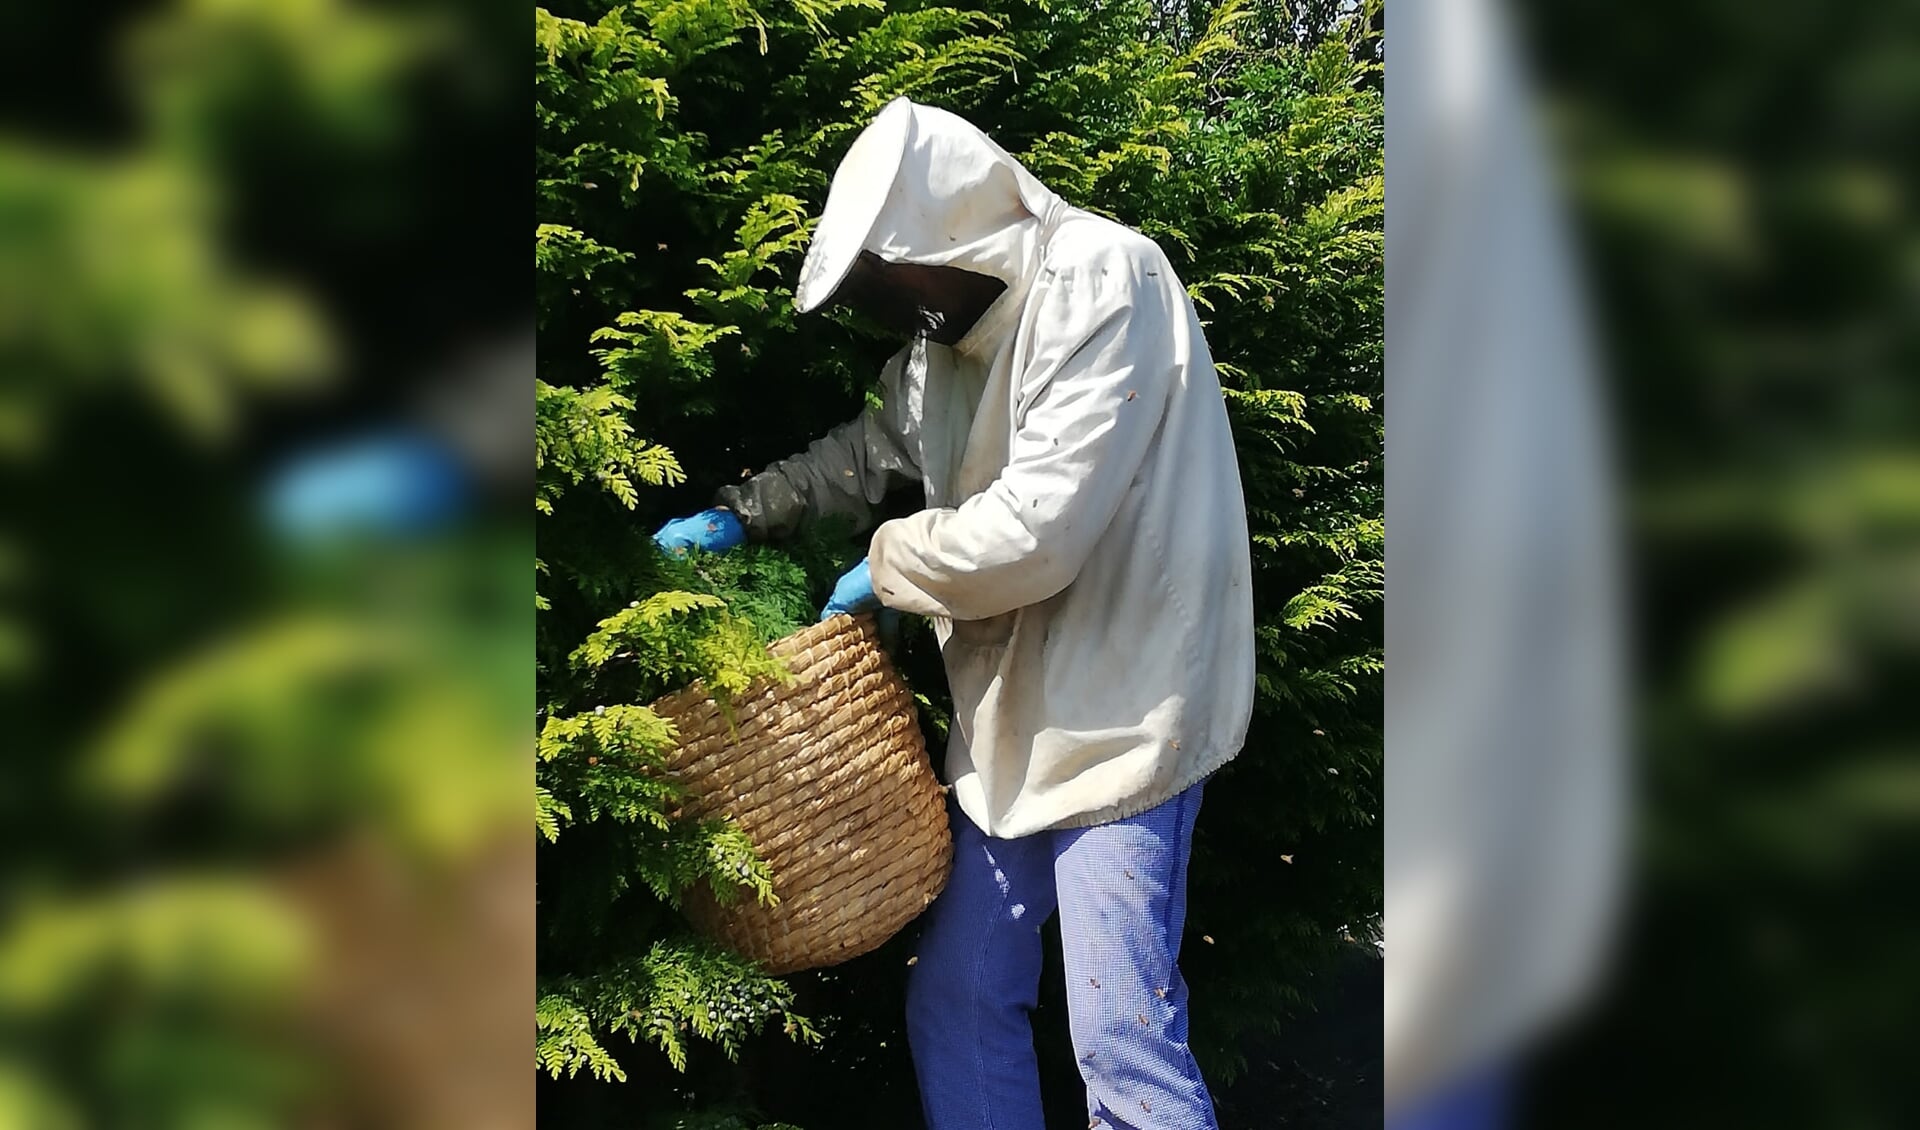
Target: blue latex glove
(853,594)
(712,531)
(386,484)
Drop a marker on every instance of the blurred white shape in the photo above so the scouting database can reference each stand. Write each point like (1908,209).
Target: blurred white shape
(1505,797)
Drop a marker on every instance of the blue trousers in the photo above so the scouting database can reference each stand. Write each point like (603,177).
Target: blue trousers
(1478,1101)
(1121,892)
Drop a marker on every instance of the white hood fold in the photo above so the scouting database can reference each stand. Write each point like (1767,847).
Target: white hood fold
(921,185)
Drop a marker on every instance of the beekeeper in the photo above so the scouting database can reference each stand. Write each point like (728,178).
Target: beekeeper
(1083,556)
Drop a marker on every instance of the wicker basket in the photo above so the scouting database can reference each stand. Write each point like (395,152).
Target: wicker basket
(829,777)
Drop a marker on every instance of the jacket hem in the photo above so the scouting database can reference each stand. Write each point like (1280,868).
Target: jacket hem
(1146,801)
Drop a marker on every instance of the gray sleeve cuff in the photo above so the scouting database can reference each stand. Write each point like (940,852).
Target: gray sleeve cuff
(767,505)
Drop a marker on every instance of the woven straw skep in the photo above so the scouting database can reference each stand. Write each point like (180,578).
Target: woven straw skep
(828,776)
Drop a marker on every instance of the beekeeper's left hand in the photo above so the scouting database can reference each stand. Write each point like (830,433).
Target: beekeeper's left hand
(853,594)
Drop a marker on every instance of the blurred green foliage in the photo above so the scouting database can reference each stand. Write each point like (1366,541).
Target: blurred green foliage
(199,721)
(1745,177)
(683,148)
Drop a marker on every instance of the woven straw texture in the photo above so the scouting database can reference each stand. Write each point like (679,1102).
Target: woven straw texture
(828,775)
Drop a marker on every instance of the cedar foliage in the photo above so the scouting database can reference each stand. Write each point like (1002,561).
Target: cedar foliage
(683,151)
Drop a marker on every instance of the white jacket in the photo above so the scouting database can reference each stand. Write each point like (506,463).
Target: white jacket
(1084,550)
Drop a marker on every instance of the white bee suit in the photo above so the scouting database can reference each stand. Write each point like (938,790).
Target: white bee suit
(1084,549)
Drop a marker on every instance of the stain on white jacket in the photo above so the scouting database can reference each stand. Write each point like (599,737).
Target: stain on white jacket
(1084,551)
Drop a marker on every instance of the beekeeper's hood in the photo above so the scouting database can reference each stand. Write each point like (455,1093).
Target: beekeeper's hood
(924,186)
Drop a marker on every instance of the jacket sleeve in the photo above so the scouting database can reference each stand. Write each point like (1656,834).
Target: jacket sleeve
(845,473)
(1093,393)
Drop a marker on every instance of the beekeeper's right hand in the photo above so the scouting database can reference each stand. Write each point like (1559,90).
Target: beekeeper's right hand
(853,594)
(712,531)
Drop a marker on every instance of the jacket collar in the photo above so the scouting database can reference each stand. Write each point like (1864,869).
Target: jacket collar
(997,323)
